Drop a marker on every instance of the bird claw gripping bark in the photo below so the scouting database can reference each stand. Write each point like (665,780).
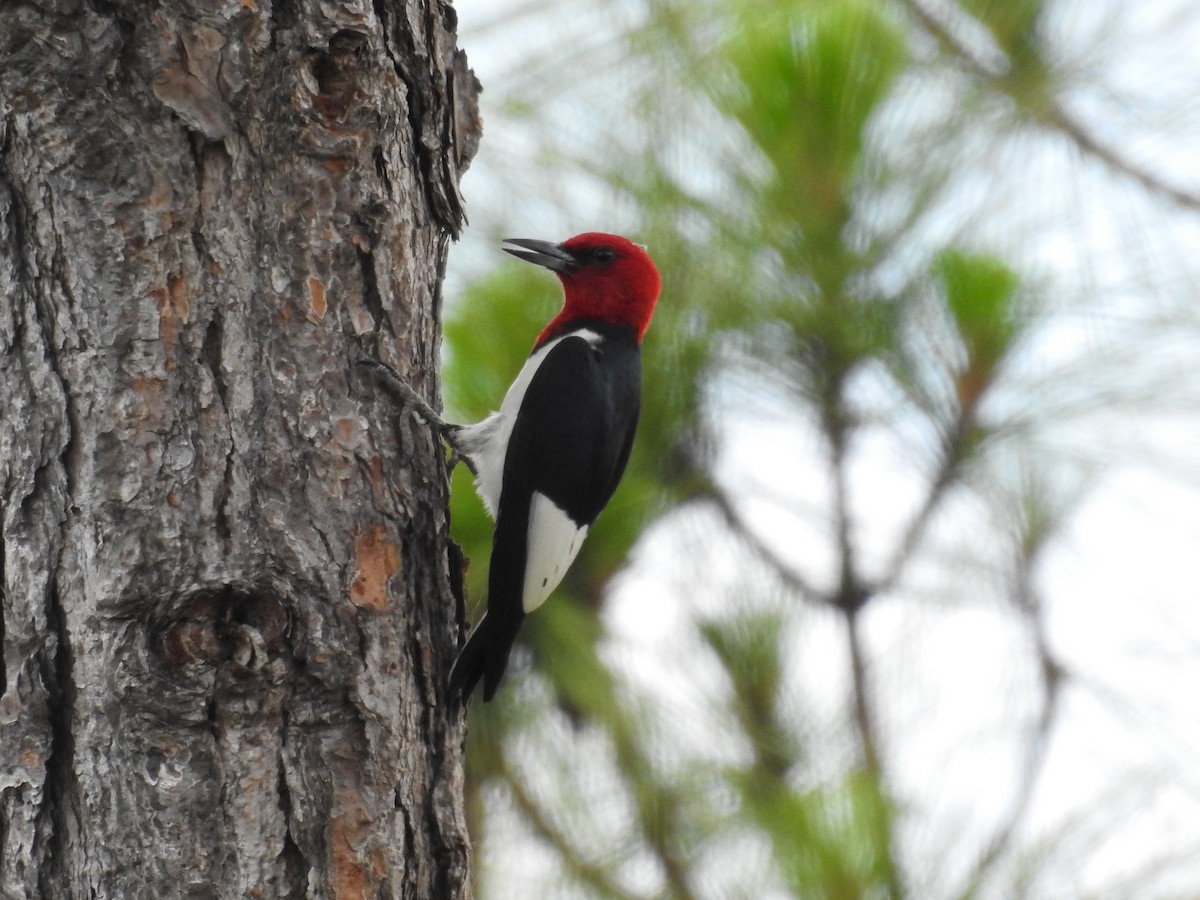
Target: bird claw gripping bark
(410,401)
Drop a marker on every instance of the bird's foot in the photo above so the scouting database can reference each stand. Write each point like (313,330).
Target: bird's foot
(410,401)
(401,390)
(457,456)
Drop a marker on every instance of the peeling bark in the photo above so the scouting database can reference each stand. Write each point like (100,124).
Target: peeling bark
(226,602)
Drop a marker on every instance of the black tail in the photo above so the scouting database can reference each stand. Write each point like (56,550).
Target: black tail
(484,656)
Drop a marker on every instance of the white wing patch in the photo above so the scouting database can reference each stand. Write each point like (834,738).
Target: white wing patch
(553,543)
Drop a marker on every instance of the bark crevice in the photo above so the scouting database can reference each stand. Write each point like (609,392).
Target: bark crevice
(3,605)
(430,109)
(291,858)
(61,783)
(371,298)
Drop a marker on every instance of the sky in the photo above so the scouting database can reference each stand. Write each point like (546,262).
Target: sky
(1121,587)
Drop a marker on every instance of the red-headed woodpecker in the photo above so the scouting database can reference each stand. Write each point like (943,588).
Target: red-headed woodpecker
(549,460)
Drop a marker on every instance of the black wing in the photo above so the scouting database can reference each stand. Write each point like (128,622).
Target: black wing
(570,442)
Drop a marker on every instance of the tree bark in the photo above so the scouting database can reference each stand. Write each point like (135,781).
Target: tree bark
(227,607)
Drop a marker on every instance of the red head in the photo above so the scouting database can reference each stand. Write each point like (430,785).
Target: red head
(604,277)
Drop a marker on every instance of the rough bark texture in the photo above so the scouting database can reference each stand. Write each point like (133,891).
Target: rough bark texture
(227,611)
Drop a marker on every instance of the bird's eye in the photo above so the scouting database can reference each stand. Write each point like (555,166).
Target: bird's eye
(604,255)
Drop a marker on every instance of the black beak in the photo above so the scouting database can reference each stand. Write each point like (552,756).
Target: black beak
(542,253)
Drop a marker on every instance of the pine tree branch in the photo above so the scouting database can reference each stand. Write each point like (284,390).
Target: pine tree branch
(595,876)
(852,597)
(1053,676)
(782,568)
(996,73)
(947,471)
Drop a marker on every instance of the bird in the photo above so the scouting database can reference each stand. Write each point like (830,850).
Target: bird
(549,459)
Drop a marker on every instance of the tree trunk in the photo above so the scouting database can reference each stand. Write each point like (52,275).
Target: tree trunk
(227,610)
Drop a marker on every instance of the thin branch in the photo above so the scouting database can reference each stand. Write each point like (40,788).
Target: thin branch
(852,597)
(869,742)
(595,876)
(1058,117)
(734,519)
(947,471)
(1055,116)
(1053,676)
(863,716)
(673,866)
(652,805)
(991,69)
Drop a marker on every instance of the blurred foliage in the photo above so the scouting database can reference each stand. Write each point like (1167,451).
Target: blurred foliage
(979,294)
(810,279)
(806,80)
(1013,23)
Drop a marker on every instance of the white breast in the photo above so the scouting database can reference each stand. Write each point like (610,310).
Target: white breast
(553,543)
